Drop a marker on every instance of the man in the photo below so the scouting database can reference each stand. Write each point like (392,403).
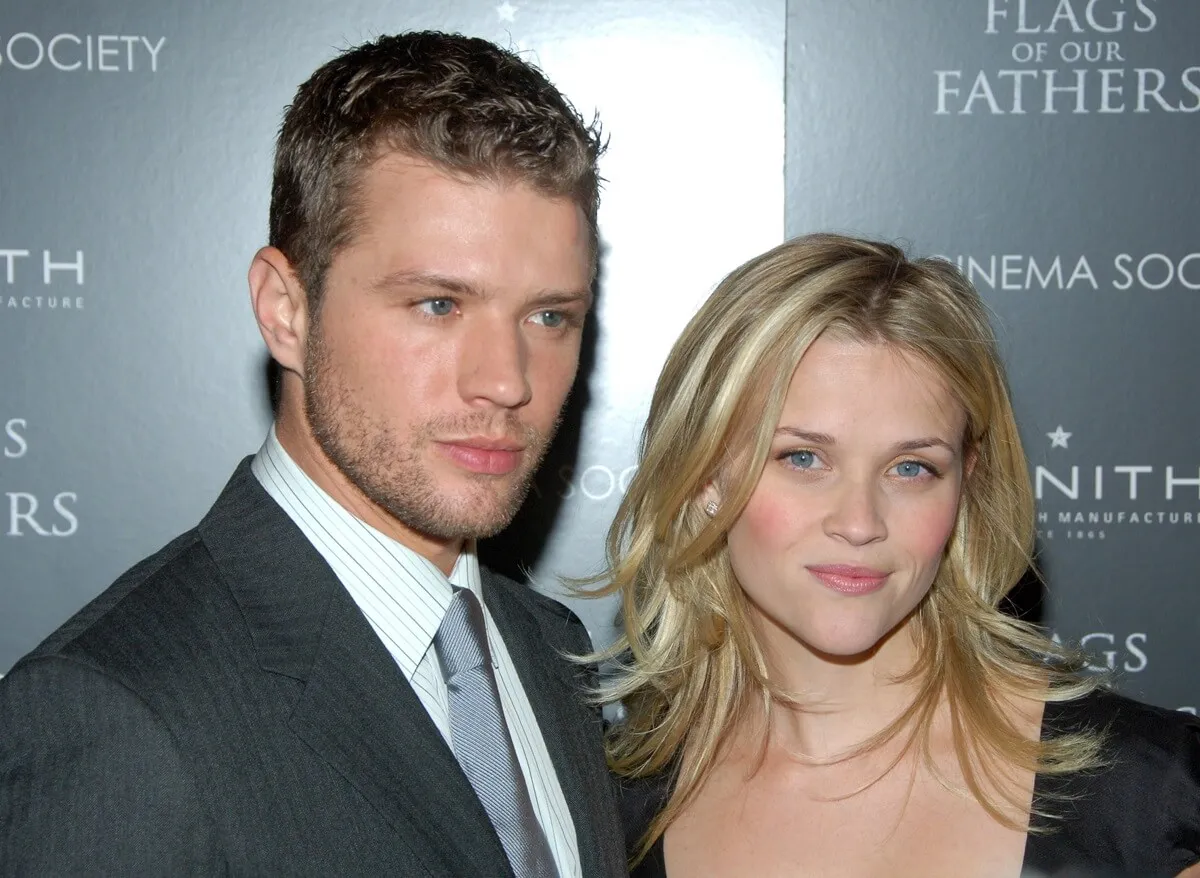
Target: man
(319,679)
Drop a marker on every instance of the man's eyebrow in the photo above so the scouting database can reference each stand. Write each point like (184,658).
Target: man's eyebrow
(442,283)
(563,297)
(428,279)
(907,445)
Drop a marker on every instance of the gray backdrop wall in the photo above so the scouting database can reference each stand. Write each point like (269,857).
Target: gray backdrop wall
(136,157)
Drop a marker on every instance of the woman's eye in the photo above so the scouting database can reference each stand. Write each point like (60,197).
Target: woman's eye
(438,307)
(803,459)
(910,469)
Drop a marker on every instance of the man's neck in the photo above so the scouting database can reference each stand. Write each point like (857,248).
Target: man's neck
(307,454)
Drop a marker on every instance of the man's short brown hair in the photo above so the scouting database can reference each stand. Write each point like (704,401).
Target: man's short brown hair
(460,103)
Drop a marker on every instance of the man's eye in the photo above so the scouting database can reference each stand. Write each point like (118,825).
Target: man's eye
(551,319)
(438,307)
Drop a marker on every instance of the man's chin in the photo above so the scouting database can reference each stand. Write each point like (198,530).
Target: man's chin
(473,528)
(473,514)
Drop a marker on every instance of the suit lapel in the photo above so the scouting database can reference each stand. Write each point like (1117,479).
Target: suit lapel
(571,730)
(356,711)
(359,713)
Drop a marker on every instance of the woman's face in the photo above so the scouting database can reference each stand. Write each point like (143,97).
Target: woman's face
(845,531)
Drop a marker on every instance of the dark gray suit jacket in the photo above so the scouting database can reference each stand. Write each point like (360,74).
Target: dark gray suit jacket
(224,708)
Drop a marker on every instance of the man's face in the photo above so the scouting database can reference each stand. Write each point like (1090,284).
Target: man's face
(445,344)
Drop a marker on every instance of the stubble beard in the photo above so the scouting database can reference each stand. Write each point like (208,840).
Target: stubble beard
(388,468)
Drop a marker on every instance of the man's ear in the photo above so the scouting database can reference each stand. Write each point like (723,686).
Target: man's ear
(280,307)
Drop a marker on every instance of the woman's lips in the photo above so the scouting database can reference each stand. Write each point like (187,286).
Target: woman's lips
(848,579)
(486,456)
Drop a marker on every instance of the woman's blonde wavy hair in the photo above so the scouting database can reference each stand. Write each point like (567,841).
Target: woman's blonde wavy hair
(689,667)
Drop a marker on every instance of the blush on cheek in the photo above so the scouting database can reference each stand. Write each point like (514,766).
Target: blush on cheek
(929,532)
(770,520)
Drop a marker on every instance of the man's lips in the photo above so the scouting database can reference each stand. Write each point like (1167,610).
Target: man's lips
(849,579)
(482,454)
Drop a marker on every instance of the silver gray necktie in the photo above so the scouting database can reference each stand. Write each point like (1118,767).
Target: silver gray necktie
(481,742)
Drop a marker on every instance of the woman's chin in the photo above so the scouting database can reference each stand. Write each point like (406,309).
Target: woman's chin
(849,645)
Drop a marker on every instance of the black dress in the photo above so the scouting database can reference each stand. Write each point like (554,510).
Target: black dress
(1139,817)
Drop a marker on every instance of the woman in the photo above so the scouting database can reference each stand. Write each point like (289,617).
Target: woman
(831,504)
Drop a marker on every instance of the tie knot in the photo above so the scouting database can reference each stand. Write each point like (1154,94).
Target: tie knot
(461,639)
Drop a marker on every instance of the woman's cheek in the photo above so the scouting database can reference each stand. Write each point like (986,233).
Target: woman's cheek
(932,526)
(771,520)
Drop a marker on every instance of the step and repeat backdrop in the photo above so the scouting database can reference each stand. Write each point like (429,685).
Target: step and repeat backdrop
(1051,148)
(1048,147)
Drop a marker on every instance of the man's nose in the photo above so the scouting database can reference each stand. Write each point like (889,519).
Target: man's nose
(494,365)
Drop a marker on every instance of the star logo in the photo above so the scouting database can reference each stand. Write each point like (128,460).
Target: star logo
(506,11)
(1058,439)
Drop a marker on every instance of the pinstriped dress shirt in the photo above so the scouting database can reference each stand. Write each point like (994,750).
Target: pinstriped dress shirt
(404,597)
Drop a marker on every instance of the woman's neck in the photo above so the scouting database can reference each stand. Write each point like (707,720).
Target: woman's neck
(841,702)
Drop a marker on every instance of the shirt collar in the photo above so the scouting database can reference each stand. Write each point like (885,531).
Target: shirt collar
(403,594)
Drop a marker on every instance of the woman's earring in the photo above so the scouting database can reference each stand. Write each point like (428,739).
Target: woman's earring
(711,508)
